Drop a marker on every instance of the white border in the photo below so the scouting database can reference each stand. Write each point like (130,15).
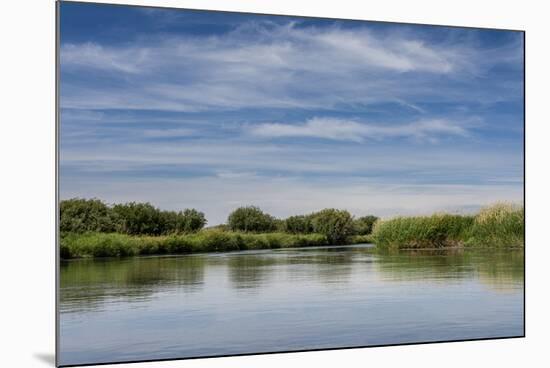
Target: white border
(27,186)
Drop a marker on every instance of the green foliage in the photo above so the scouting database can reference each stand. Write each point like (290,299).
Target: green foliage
(499,225)
(81,215)
(336,225)
(221,227)
(439,230)
(188,221)
(251,219)
(121,245)
(363,225)
(92,215)
(279,225)
(192,220)
(139,218)
(298,225)
(90,228)
(360,239)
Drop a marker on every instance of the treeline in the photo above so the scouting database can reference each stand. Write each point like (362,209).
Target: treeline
(336,225)
(93,215)
(91,228)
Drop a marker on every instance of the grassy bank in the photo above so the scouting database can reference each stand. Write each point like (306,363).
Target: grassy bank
(500,225)
(122,245)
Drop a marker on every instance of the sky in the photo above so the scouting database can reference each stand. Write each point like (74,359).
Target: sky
(211,110)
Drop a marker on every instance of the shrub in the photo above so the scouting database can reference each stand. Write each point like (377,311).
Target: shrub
(144,219)
(251,219)
(336,225)
(82,215)
(363,225)
(298,225)
(139,218)
(191,221)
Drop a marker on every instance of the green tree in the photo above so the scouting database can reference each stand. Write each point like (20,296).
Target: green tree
(299,224)
(139,218)
(250,219)
(190,220)
(363,225)
(82,215)
(336,225)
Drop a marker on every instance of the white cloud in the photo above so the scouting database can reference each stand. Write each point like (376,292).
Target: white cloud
(94,56)
(167,133)
(279,66)
(348,130)
(284,66)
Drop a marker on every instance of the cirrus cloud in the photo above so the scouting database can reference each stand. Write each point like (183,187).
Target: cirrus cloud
(349,130)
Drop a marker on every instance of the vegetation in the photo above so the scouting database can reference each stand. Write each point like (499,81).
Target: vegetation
(363,225)
(298,224)
(251,219)
(439,230)
(91,228)
(121,245)
(336,225)
(92,215)
(500,225)
(82,215)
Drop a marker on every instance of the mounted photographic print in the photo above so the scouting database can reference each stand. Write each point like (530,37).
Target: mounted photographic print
(234,183)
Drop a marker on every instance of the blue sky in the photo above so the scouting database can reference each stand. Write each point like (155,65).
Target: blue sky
(217,110)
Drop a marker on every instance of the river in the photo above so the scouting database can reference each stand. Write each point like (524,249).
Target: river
(288,299)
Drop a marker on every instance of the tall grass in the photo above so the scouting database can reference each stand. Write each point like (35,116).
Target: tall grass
(499,225)
(122,245)
(439,230)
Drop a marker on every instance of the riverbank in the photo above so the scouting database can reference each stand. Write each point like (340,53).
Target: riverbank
(122,245)
(497,226)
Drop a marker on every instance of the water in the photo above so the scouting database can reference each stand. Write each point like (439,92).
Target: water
(280,300)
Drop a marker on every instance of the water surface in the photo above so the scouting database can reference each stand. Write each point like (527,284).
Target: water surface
(279,300)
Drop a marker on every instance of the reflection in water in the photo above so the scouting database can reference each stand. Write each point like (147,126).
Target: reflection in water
(87,284)
(250,272)
(286,299)
(497,269)
(331,266)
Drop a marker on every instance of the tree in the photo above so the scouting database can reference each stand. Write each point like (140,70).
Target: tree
(299,225)
(250,219)
(336,225)
(363,225)
(139,218)
(191,220)
(81,215)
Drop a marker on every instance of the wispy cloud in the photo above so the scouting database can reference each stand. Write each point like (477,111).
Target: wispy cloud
(168,133)
(260,64)
(215,111)
(93,56)
(348,130)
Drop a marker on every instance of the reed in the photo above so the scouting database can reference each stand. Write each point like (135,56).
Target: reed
(499,225)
